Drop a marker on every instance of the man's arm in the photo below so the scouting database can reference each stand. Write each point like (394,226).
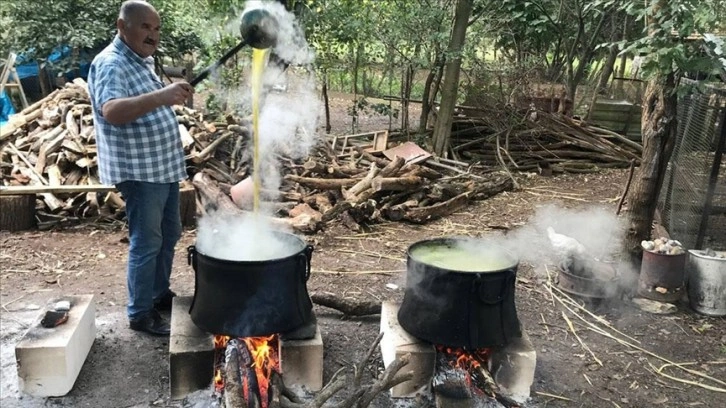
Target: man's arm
(124,110)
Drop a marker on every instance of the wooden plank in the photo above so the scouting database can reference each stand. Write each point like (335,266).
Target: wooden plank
(35,189)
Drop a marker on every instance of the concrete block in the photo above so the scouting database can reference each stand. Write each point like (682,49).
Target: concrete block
(49,360)
(302,362)
(513,367)
(191,352)
(395,343)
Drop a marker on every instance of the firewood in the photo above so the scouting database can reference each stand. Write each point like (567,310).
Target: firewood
(421,215)
(321,201)
(363,184)
(304,208)
(320,183)
(204,154)
(397,212)
(396,183)
(17,212)
(349,222)
(346,305)
(339,208)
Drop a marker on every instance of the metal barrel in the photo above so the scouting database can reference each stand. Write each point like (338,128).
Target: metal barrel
(662,276)
(706,277)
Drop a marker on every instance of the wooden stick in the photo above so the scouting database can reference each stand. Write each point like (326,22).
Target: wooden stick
(584,346)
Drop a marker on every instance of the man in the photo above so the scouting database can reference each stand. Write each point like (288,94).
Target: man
(140,151)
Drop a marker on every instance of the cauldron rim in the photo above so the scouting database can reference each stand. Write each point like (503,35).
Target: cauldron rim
(453,240)
(297,252)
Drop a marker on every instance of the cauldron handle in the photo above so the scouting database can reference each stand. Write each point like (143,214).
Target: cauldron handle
(305,256)
(192,257)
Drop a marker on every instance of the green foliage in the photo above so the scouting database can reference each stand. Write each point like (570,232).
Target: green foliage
(40,26)
(671,36)
(181,21)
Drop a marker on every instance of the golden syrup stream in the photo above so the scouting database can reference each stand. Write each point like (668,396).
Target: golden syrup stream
(258,67)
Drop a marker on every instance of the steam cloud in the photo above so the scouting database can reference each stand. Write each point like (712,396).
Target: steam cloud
(287,124)
(597,228)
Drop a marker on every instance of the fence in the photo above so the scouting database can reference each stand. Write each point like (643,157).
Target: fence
(693,197)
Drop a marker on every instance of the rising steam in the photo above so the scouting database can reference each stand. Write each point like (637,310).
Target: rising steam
(288,123)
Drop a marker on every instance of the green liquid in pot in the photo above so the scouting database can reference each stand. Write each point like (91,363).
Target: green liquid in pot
(467,257)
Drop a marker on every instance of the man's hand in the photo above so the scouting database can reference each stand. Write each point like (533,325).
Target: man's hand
(124,110)
(176,93)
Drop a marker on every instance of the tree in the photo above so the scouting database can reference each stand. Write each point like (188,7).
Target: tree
(668,56)
(450,86)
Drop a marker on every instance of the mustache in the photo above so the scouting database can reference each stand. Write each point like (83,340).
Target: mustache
(149,41)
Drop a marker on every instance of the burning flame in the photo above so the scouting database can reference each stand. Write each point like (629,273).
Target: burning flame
(265,360)
(465,359)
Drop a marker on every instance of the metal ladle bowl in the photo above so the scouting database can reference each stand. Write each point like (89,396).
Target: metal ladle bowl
(258,29)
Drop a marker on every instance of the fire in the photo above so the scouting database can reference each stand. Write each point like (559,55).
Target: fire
(470,361)
(264,353)
(265,358)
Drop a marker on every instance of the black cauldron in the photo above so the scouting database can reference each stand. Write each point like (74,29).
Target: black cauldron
(471,309)
(252,298)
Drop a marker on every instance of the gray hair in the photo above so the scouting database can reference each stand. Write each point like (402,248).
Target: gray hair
(131,9)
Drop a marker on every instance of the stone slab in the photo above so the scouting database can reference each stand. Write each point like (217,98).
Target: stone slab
(513,367)
(191,352)
(50,359)
(395,343)
(302,362)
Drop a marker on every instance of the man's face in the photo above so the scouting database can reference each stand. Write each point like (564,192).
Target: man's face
(141,32)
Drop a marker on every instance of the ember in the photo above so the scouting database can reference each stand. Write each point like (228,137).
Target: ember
(462,373)
(244,368)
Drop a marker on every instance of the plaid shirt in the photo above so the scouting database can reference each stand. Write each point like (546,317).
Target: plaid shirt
(147,149)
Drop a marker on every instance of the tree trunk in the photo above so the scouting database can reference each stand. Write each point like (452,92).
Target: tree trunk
(326,100)
(449,91)
(430,89)
(659,135)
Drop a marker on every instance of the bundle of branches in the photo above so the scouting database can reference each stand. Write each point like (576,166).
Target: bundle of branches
(49,149)
(521,140)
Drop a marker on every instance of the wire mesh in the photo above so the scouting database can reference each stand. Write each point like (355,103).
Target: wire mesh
(693,197)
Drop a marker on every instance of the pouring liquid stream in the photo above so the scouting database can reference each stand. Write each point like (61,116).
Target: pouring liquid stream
(258,67)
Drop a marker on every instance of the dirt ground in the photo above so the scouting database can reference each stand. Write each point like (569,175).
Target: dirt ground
(128,369)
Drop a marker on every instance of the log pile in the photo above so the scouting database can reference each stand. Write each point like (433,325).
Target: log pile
(526,140)
(361,189)
(49,149)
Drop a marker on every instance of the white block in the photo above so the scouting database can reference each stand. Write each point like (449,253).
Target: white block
(49,360)
(301,362)
(513,367)
(397,342)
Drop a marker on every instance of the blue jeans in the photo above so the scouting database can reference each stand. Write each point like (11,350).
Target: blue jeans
(152,210)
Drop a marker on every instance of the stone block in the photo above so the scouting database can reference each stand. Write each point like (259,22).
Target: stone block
(395,343)
(302,362)
(191,352)
(513,367)
(49,359)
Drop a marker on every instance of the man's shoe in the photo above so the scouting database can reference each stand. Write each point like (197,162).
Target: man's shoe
(163,304)
(151,323)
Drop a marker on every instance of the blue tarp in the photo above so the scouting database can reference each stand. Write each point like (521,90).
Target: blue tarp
(6,108)
(29,69)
